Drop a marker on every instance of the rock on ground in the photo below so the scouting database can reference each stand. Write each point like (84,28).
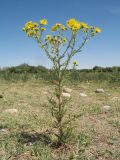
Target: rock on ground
(67,90)
(3,131)
(115,98)
(12,110)
(83,95)
(99,90)
(106,108)
(67,95)
(45,92)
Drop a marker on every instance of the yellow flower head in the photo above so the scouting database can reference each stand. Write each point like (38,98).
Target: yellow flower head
(64,40)
(48,36)
(43,22)
(42,29)
(75,63)
(59,41)
(73,24)
(63,28)
(29,25)
(97,30)
(54,28)
(31,29)
(30,33)
(84,25)
(58,24)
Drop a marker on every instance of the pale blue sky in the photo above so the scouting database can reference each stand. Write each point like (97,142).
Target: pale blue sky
(16,48)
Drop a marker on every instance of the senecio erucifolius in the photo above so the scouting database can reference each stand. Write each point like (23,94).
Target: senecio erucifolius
(61,44)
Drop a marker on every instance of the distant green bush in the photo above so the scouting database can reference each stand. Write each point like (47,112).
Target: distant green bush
(24,72)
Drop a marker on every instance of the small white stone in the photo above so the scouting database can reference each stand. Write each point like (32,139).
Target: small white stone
(12,110)
(99,90)
(45,92)
(67,90)
(29,144)
(115,98)
(106,108)
(67,95)
(83,95)
(4,131)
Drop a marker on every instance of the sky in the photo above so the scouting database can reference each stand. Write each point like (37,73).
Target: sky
(16,48)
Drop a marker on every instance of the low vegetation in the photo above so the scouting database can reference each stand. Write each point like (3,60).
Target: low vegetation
(25,134)
(24,73)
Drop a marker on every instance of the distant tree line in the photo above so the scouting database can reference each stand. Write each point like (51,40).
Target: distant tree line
(25,72)
(25,68)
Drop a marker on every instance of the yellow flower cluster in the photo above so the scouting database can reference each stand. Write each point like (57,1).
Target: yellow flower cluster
(84,25)
(35,30)
(58,26)
(30,25)
(43,22)
(31,29)
(55,40)
(73,24)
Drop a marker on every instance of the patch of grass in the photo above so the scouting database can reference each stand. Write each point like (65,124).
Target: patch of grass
(95,109)
(115,123)
(83,140)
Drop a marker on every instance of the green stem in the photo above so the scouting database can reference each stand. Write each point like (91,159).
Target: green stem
(60,130)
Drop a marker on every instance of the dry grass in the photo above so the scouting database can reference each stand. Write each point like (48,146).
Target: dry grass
(96,137)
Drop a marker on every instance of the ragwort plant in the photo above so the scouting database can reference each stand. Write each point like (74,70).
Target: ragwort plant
(64,42)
